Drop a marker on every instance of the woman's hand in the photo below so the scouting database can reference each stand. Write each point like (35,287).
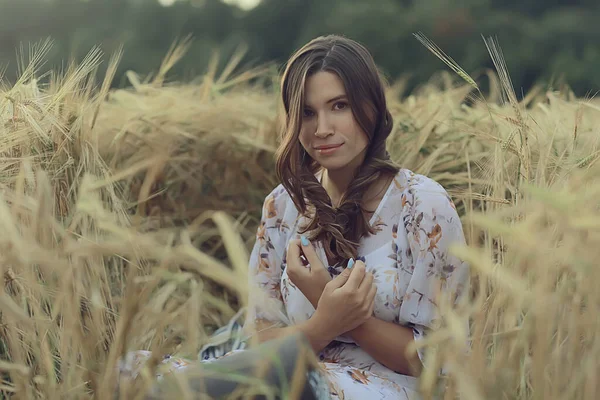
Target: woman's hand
(306,271)
(347,301)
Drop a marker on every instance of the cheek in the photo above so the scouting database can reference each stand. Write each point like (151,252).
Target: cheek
(363,139)
(307,129)
(305,143)
(360,138)
(303,138)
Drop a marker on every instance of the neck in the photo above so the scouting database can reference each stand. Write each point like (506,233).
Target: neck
(336,182)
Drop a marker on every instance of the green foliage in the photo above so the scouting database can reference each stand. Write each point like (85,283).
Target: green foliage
(548,42)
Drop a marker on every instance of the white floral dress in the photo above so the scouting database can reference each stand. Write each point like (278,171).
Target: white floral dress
(415,224)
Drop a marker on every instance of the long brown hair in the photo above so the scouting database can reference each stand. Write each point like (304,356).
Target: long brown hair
(341,228)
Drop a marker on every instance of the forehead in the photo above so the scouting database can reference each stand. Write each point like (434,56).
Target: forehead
(321,87)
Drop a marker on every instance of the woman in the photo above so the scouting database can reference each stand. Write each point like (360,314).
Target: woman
(375,236)
(352,250)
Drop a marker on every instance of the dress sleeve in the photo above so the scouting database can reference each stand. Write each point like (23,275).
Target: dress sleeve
(432,225)
(264,269)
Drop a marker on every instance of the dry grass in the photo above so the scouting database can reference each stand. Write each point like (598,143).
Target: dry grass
(109,240)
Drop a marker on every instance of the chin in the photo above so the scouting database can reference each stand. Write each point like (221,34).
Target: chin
(340,163)
(334,165)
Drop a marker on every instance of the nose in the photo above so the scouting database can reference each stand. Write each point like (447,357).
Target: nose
(324,128)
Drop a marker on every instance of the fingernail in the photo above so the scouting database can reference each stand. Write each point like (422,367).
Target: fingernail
(350,263)
(304,241)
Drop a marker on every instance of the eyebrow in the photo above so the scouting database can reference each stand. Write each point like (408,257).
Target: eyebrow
(341,96)
(336,98)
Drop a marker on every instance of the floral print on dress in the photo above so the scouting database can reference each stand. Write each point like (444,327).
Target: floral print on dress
(134,361)
(415,224)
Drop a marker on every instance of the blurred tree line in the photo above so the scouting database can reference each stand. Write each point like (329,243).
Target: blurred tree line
(543,41)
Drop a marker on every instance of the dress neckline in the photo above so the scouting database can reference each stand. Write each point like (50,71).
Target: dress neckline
(319,176)
(382,202)
(323,254)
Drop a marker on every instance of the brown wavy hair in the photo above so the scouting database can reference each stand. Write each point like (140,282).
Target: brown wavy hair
(341,228)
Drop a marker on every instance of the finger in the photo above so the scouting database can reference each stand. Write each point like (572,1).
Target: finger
(356,276)
(341,279)
(308,249)
(371,298)
(293,253)
(372,295)
(366,283)
(363,292)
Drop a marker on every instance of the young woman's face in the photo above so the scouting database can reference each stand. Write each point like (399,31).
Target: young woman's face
(329,132)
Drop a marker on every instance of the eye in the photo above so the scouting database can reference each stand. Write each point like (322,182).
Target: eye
(340,105)
(307,113)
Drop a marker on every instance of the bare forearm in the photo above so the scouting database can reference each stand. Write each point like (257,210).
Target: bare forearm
(266,334)
(311,329)
(384,341)
(387,342)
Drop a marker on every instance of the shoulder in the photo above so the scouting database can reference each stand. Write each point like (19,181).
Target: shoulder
(422,203)
(276,202)
(279,212)
(425,192)
(419,192)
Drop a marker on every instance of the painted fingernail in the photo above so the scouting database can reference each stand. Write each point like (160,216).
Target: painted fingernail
(304,241)
(350,263)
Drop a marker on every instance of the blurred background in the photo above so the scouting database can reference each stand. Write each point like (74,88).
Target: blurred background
(544,41)
(108,240)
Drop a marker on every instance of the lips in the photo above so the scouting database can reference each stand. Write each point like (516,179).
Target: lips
(328,149)
(329,146)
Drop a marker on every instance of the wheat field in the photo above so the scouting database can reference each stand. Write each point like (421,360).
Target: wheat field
(127,215)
